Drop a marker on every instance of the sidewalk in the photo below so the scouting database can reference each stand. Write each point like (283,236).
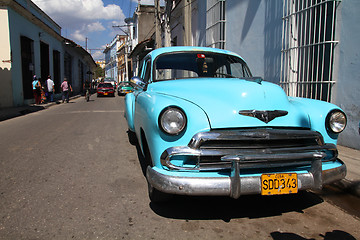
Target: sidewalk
(351,183)
(12,112)
(350,156)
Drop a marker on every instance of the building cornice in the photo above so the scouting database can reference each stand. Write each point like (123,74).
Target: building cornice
(31,17)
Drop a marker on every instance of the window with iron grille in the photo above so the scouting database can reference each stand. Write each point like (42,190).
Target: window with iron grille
(215,23)
(308,43)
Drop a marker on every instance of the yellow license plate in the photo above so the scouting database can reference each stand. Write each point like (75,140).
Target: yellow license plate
(279,183)
(105,93)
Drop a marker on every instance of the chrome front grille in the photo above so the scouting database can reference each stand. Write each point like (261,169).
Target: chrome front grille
(256,138)
(262,148)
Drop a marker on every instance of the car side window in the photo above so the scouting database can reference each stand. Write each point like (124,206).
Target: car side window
(147,70)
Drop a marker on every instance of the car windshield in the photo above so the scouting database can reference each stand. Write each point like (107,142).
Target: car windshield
(196,64)
(125,84)
(105,85)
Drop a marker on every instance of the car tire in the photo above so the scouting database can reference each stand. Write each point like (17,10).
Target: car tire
(157,196)
(132,137)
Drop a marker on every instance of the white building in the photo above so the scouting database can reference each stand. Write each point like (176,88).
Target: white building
(112,63)
(31,44)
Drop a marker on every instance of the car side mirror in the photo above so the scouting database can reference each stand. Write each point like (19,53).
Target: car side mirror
(138,83)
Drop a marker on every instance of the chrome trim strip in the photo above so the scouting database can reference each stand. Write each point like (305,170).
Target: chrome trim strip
(253,134)
(253,158)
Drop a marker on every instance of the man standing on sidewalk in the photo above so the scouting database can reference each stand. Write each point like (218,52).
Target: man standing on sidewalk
(50,88)
(65,88)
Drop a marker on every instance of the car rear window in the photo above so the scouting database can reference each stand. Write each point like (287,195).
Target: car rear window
(102,85)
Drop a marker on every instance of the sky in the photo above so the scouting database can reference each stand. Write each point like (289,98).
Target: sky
(90,22)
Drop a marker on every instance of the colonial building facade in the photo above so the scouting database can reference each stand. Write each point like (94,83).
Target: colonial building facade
(31,44)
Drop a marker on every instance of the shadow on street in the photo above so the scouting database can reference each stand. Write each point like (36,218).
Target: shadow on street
(226,208)
(20,111)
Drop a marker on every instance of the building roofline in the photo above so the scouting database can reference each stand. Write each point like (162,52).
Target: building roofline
(21,10)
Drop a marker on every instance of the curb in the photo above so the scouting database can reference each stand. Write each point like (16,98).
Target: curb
(13,112)
(352,187)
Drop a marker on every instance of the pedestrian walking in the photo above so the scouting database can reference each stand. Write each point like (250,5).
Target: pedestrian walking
(43,90)
(50,89)
(36,90)
(65,88)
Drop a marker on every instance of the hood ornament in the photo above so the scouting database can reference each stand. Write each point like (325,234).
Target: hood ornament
(265,116)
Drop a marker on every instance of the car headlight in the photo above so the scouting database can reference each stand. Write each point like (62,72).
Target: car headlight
(172,120)
(336,121)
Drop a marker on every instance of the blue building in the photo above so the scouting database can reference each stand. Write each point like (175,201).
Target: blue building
(309,47)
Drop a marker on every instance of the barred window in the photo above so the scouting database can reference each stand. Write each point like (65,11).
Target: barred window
(215,24)
(308,43)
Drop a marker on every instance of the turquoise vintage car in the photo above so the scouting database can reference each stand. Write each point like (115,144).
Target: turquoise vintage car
(124,88)
(206,126)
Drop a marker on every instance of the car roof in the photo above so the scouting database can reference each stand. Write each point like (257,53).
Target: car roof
(155,53)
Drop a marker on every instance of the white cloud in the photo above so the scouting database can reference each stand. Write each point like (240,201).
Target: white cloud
(95,27)
(151,2)
(88,19)
(98,55)
(78,36)
(73,14)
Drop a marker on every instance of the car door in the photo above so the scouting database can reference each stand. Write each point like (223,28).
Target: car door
(141,97)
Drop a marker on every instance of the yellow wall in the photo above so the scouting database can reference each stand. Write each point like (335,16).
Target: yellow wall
(6,96)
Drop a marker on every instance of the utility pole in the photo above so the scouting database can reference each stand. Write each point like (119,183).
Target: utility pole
(187,23)
(127,40)
(157,24)
(167,29)
(126,60)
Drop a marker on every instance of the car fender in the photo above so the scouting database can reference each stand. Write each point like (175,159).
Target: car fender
(129,110)
(146,115)
(317,111)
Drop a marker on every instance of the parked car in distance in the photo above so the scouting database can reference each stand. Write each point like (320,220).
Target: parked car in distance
(110,80)
(206,126)
(124,88)
(105,89)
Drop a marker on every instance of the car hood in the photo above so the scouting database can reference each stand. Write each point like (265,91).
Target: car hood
(222,99)
(126,87)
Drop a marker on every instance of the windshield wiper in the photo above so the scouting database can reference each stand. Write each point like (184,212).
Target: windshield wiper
(224,74)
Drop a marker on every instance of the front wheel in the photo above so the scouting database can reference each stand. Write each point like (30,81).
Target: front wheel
(132,137)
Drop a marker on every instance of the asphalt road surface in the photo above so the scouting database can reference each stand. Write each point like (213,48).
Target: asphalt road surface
(69,172)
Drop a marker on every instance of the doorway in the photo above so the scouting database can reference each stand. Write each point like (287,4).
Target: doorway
(27,65)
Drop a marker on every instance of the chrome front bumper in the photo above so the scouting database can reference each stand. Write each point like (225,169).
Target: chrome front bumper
(237,185)
(236,153)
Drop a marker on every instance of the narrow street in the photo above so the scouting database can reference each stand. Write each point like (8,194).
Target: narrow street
(69,172)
